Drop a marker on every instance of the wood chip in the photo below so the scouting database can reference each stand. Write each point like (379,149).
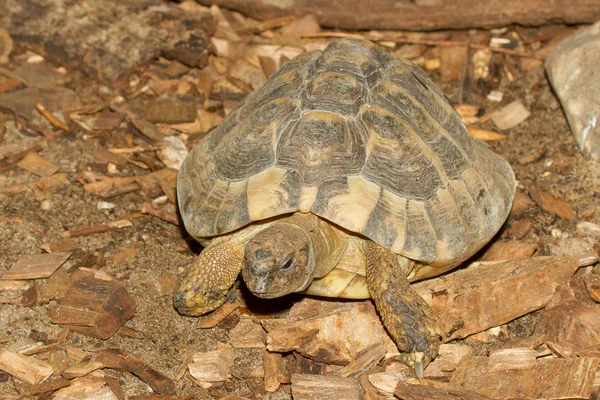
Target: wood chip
(452,62)
(323,387)
(548,378)
(170,111)
(532,157)
(364,361)
(35,266)
(28,369)
(484,295)
(510,115)
(552,204)
(217,316)
(91,230)
(504,250)
(82,368)
(172,152)
(586,228)
(32,162)
(483,134)
(212,366)
(521,202)
(93,306)
(592,285)
(518,230)
(409,391)
(119,360)
(272,363)
(247,334)
(112,187)
(570,326)
(511,359)
(50,385)
(448,358)
(161,213)
(148,129)
(307,330)
(19,293)
(57,123)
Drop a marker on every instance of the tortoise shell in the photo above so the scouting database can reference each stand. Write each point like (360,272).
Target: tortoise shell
(360,139)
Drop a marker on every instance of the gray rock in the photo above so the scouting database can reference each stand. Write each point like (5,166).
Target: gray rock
(572,68)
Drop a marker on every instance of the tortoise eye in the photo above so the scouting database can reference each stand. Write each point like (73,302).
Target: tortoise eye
(287,265)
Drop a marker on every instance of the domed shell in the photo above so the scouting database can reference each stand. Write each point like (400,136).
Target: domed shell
(356,137)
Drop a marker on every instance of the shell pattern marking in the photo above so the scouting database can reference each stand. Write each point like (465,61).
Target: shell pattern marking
(358,138)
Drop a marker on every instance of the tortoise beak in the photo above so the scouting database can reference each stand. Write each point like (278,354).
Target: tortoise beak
(260,284)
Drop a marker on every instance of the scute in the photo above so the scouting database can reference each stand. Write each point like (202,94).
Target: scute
(357,138)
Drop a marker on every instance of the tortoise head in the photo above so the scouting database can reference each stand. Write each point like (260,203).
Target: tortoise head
(278,261)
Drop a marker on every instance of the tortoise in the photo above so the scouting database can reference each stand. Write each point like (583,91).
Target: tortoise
(346,159)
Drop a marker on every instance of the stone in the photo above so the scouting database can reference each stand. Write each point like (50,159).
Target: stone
(572,68)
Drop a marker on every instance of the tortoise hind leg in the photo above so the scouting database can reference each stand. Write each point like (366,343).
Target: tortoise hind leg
(407,317)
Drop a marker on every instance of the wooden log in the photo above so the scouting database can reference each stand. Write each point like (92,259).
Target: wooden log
(548,378)
(485,295)
(93,306)
(421,15)
(323,387)
(95,44)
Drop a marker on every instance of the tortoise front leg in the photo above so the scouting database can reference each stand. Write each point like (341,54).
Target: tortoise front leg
(407,317)
(205,286)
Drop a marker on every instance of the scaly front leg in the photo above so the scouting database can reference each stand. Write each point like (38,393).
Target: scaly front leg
(407,317)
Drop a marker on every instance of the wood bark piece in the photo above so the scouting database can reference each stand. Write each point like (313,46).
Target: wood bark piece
(92,386)
(408,391)
(552,204)
(324,387)
(218,315)
(484,295)
(23,102)
(570,326)
(91,230)
(37,165)
(118,359)
(212,366)
(93,306)
(96,44)
(365,360)
(50,385)
(549,378)
(247,334)
(272,363)
(112,187)
(28,369)
(329,332)
(19,293)
(510,359)
(421,15)
(503,250)
(449,356)
(35,266)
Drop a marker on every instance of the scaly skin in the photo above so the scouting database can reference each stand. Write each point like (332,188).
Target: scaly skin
(407,317)
(205,286)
